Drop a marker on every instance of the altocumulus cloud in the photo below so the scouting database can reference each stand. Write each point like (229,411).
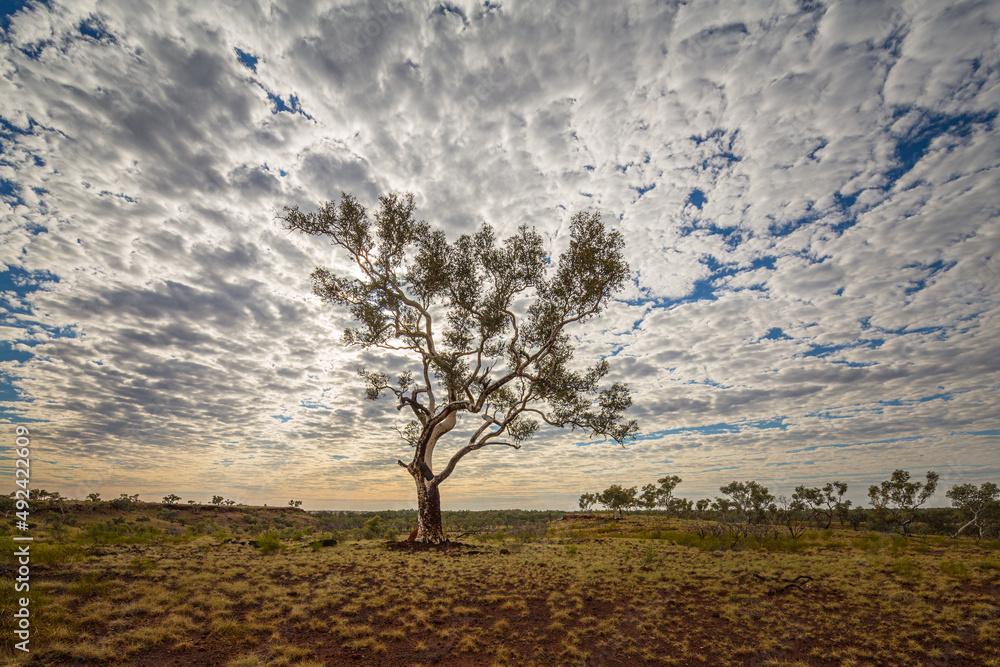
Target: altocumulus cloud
(807,191)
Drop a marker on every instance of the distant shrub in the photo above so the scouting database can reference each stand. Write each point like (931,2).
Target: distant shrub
(269,543)
(373,528)
(203,527)
(121,532)
(125,502)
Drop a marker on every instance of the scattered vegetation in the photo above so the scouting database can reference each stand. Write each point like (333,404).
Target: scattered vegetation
(749,508)
(212,584)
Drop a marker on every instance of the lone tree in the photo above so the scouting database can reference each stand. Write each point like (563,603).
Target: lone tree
(483,323)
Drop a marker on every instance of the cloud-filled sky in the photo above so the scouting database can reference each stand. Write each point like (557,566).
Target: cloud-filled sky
(808,193)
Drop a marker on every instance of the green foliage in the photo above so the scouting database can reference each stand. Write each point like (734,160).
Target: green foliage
(898,497)
(373,528)
(270,543)
(202,527)
(617,498)
(503,352)
(980,506)
(120,532)
(125,502)
(750,499)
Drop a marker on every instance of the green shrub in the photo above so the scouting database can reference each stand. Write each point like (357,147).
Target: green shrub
(269,543)
(121,532)
(373,528)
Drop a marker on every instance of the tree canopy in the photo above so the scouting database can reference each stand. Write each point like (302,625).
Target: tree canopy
(484,321)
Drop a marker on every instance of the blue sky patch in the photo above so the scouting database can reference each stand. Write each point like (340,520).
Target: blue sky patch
(697,198)
(95,28)
(915,144)
(776,334)
(291,107)
(643,189)
(9,191)
(249,61)
(8,8)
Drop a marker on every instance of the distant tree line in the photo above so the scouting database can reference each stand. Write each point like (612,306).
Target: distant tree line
(745,507)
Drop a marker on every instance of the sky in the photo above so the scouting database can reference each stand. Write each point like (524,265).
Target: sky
(808,194)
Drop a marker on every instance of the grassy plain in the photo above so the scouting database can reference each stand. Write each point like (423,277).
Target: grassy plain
(164,587)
